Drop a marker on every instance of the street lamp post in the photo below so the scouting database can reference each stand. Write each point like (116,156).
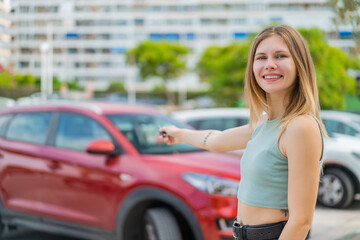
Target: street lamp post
(44,49)
(50,60)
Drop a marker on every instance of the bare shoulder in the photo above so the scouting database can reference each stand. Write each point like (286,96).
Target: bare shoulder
(303,126)
(302,136)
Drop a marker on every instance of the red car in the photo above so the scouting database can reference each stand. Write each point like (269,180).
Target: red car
(99,171)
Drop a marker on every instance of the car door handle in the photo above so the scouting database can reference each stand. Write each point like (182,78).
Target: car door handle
(54,165)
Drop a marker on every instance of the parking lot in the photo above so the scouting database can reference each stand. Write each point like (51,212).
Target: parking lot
(338,224)
(329,224)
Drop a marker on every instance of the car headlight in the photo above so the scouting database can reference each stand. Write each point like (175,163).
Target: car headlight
(212,184)
(356,155)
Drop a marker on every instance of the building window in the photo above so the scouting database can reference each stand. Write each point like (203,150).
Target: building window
(72,50)
(24,9)
(345,34)
(72,35)
(276,19)
(40,37)
(25,50)
(118,50)
(40,9)
(190,36)
(172,36)
(57,51)
(24,64)
(155,36)
(139,22)
(238,21)
(89,50)
(240,35)
(105,50)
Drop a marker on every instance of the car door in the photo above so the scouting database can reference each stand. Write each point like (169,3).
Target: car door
(21,162)
(80,187)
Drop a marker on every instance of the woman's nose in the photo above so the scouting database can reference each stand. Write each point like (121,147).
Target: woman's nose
(270,63)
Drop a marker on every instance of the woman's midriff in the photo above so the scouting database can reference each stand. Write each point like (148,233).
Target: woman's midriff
(251,215)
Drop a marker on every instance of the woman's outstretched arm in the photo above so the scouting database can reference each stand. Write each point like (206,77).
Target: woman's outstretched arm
(212,140)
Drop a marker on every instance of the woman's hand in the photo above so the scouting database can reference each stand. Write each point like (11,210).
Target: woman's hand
(170,135)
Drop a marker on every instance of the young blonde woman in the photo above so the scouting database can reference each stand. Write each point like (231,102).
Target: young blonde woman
(283,140)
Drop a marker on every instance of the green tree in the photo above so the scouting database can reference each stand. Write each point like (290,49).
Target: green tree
(224,69)
(116,86)
(7,80)
(159,59)
(331,66)
(347,12)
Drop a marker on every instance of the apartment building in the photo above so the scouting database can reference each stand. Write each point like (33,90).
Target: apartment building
(4,37)
(89,38)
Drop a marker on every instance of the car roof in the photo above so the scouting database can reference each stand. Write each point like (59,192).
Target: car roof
(344,116)
(96,107)
(210,112)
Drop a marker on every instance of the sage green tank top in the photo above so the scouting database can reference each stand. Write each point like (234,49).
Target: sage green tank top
(264,169)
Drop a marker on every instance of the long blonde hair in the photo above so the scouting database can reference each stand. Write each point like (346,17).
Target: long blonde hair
(304,96)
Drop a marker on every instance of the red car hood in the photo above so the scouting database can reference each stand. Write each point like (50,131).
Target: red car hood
(220,164)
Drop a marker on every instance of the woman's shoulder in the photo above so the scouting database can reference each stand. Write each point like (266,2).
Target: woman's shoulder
(303,126)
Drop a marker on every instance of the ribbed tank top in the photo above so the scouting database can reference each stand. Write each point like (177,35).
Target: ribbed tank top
(264,169)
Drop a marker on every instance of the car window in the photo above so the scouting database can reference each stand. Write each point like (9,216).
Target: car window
(218,123)
(333,126)
(3,121)
(142,129)
(29,127)
(76,131)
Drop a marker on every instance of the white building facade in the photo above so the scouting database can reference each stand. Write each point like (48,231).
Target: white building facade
(89,38)
(4,36)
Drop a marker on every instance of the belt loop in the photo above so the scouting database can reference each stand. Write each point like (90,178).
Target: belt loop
(244,232)
(238,228)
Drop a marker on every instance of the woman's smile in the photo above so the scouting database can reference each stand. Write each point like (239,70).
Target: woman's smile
(272,77)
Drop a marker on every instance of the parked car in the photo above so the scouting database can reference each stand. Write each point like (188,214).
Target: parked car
(344,123)
(7,102)
(99,171)
(341,173)
(213,118)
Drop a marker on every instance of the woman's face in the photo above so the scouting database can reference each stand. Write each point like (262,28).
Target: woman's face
(274,67)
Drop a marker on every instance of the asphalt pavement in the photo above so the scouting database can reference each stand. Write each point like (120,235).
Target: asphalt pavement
(337,224)
(328,224)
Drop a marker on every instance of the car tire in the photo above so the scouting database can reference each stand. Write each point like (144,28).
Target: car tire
(336,189)
(160,224)
(2,226)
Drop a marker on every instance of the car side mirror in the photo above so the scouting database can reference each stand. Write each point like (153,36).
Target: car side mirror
(101,146)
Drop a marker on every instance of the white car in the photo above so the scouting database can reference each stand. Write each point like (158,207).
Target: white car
(341,179)
(343,123)
(213,118)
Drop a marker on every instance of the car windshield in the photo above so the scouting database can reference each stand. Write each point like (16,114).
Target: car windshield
(141,130)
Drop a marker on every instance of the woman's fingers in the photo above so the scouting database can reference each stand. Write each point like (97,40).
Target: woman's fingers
(168,134)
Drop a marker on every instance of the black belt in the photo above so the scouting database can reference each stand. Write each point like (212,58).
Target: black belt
(258,232)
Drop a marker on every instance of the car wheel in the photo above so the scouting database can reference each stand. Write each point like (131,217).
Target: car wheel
(2,226)
(335,189)
(160,224)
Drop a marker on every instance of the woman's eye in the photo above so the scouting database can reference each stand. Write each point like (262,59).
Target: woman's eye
(261,58)
(281,56)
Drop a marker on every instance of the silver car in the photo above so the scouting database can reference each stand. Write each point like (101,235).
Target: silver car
(341,123)
(341,174)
